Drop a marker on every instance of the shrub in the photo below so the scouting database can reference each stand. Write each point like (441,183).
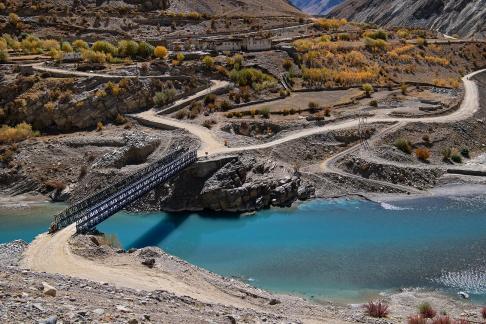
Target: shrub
(120,119)
(455,156)
(181,114)
(3,44)
(55,185)
(265,112)
(416,319)
(66,47)
(422,154)
(403,33)
(31,45)
(127,48)
(161,52)
(250,77)
(313,106)
(145,49)
(483,312)
(374,103)
(82,172)
(4,57)
(210,99)
(403,145)
(113,88)
(287,64)
(225,105)
(208,61)
(368,88)
(465,152)
(208,123)
(95,57)
(374,44)
(446,154)
(18,133)
(105,47)
(80,44)
(56,54)
(421,42)
(376,34)
(327,111)
(426,310)
(99,127)
(404,89)
(443,319)
(181,57)
(328,24)
(165,97)
(49,44)
(13,19)
(377,310)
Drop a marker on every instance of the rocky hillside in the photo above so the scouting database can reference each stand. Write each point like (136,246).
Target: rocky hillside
(236,8)
(316,7)
(210,7)
(462,17)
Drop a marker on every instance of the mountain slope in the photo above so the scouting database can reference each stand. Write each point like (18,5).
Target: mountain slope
(316,7)
(236,7)
(466,18)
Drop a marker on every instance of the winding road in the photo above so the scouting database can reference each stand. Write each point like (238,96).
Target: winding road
(51,253)
(213,145)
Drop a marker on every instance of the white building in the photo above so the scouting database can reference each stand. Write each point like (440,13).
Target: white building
(250,44)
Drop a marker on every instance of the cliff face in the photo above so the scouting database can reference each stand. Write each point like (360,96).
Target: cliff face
(315,7)
(466,18)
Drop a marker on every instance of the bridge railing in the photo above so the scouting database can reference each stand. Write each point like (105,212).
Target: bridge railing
(116,202)
(69,215)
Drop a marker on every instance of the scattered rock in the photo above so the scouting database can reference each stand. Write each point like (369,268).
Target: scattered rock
(149,262)
(463,294)
(99,311)
(49,320)
(49,290)
(274,301)
(122,309)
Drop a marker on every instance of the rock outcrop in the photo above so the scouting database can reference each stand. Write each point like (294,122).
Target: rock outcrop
(231,184)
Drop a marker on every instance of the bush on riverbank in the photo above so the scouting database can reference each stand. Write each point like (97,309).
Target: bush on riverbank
(18,133)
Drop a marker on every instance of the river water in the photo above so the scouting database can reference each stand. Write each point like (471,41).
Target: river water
(346,250)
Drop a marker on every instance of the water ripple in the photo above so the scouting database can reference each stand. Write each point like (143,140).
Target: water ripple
(473,281)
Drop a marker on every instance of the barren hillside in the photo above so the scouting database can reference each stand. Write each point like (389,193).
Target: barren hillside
(463,17)
(236,7)
(316,7)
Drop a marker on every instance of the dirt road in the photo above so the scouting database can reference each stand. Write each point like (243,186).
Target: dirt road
(212,145)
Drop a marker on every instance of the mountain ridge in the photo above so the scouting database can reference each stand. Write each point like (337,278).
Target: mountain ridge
(465,18)
(315,7)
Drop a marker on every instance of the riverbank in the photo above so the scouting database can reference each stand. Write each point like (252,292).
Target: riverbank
(85,300)
(91,259)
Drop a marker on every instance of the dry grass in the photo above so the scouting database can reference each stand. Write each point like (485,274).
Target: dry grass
(15,134)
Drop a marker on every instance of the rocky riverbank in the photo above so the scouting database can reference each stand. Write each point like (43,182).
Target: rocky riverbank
(29,296)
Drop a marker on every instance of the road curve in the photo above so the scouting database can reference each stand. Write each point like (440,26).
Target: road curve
(41,67)
(210,144)
(52,254)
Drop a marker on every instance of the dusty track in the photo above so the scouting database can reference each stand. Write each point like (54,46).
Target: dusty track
(210,144)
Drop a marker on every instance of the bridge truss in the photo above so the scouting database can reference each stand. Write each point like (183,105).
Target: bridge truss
(101,205)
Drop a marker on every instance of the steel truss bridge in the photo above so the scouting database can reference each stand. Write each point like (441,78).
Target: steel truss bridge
(103,204)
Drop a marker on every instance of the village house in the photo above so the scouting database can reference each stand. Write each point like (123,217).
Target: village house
(251,44)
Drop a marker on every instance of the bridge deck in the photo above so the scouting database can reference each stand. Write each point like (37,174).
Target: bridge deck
(96,208)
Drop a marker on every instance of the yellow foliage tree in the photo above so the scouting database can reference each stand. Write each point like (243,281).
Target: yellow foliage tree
(161,52)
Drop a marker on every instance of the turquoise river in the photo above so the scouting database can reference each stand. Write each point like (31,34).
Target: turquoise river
(346,250)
